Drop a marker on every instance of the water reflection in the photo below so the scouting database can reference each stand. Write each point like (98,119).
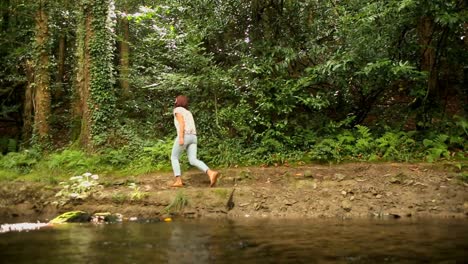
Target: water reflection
(246,241)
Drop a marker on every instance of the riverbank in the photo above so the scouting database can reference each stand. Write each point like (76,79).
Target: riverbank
(309,191)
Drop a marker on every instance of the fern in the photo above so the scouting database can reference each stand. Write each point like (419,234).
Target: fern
(327,149)
(436,148)
(364,132)
(364,142)
(396,146)
(72,160)
(21,162)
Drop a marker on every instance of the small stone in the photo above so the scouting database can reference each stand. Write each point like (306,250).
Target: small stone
(257,206)
(308,174)
(408,182)
(351,198)
(378,196)
(346,205)
(339,176)
(395,180)
(343,193)
(290,202)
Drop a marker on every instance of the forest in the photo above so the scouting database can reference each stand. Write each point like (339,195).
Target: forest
(89,85)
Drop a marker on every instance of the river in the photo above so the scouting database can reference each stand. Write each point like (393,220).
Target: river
(243,241)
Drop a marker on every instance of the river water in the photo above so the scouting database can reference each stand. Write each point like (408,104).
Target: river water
(243,241)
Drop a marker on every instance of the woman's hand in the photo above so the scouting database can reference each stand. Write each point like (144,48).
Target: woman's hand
(181,141)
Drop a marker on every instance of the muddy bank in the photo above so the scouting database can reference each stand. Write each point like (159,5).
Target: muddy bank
(345,190)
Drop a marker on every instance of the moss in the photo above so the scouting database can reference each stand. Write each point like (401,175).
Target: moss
(71,217)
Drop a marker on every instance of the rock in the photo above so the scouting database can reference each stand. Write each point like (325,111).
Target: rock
(257,206)
(290,202)
(71,217)
(346,205)
(308,174)
(190,213)
(378,196)
(339,177)
(395,180)
(106,218)
(408,182)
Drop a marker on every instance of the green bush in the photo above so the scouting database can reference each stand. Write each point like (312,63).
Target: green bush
(20,162)
(75,161)
(397,146)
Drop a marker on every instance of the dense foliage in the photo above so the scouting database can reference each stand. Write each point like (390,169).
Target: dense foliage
(270,81)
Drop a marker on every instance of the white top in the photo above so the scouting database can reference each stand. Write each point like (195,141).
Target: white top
(188,118)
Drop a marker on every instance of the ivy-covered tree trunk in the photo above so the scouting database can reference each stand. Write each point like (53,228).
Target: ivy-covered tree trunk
(124,57)
(80,107)
(94,86)
(41,76)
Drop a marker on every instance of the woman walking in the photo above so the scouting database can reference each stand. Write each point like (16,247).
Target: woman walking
(186,139)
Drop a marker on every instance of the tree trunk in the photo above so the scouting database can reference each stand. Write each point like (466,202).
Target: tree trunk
(42,78)
(465,72)
(428,58)
(27,129)
(59,78)
(124,58)
(95,79)
(82,87)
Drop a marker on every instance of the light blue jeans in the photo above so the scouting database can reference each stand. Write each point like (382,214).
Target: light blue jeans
(190,144)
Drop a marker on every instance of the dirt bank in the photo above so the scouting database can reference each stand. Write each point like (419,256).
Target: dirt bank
(345,190)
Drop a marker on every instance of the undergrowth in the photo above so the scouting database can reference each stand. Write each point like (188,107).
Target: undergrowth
(358,144)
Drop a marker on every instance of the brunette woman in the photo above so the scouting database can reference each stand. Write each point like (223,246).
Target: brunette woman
(186,139)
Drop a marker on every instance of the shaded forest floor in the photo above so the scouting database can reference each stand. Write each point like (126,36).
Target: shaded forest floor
(345,190)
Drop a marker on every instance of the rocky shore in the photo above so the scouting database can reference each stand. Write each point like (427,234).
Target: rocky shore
(393,190)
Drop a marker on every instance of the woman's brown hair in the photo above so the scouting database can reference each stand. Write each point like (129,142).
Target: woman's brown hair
(181,101)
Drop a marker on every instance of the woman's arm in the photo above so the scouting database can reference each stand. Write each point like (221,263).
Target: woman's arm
(181,121)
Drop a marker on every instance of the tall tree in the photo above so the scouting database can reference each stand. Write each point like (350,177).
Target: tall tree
(125,55)
(27,128)
(41,76)
(95,104)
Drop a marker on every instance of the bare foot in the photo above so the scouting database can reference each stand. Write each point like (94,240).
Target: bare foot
(178,183)
(213,177)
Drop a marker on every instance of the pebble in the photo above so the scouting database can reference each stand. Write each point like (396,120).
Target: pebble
(339,177)
(346,205)
(308,174)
